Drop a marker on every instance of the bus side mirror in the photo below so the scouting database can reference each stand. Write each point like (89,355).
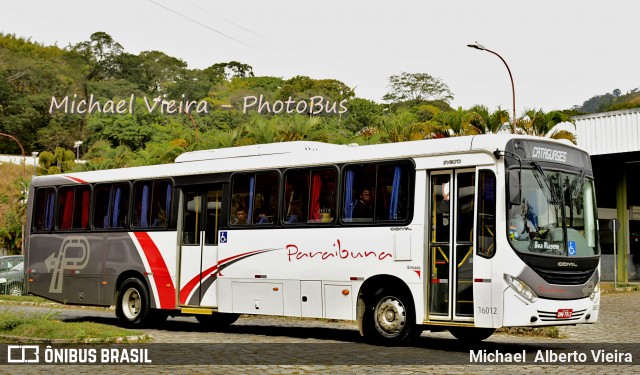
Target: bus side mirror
(514,187)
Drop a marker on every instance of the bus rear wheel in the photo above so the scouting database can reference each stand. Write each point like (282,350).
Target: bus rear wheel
(217,320)
(132,307)
(471,334)
(389,318)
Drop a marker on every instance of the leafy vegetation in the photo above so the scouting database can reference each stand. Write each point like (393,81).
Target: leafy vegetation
(611,102)
(14,186)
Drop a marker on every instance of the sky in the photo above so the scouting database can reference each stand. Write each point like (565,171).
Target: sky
(560,52)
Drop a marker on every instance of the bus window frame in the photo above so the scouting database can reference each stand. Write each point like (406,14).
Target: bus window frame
(411,181)
(173,207)
(127,225)
(252,225)
(56,228)
(310,170)
(477,229)
(55,210)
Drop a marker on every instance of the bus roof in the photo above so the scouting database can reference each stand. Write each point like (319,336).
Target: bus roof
(287,154)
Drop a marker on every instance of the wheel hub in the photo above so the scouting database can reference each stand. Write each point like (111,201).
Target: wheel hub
(390,316)
(131,303)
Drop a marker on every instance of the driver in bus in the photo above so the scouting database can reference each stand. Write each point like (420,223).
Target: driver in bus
(523,223)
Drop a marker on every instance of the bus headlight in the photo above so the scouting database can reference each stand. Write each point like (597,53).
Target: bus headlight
(521,288)
(596,290)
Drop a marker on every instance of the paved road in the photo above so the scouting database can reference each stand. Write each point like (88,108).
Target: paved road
(316,346)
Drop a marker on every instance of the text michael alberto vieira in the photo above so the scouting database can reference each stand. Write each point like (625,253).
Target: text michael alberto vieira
(76,105)
(551,356)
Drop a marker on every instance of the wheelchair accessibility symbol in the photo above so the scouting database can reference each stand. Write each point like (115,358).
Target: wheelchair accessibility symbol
(223,237)
(572,248)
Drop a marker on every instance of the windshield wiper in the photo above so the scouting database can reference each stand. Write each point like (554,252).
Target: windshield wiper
(553,200)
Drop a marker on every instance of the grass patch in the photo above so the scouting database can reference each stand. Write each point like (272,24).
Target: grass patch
(18,327)
(548,332)
(21,299)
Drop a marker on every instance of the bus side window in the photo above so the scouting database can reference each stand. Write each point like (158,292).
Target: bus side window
(256,196)
(296,196)
(392,188)
(43,211)
(376,192)
(486,233)
(73,207)
(322,201)
(358,193)
(265,199)
(151,204)
(110,205)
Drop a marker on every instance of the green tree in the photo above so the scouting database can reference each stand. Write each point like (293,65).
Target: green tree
(61,160)
(101,53)
(13,219)
(416,87)
(363,113)
(102,156)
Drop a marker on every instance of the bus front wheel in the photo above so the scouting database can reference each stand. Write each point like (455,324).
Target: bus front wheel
(389,318)
(132,306)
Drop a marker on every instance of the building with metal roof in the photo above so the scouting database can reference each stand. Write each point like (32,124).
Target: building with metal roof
(613,141)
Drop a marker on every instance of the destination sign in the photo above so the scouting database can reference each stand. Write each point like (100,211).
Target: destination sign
(549,152)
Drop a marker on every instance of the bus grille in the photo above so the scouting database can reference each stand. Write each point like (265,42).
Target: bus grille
(551,316)
(564,277)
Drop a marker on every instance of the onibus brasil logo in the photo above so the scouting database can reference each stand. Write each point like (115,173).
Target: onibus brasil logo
(72,256)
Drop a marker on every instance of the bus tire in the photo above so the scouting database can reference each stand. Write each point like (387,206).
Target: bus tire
(217,320)
(132,307)
(389,318)
(471,334)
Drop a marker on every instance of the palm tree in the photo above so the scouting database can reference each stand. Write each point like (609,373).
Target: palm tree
(489,122)
(296,127)
(261,129)
(539,123)
(460,122)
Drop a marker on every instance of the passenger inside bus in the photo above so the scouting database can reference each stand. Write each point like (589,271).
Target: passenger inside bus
(240,217)
(261,217)
(363,208)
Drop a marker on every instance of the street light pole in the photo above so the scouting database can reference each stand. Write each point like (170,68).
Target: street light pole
(480,47)
(35,156)
(24,157)
(77,145)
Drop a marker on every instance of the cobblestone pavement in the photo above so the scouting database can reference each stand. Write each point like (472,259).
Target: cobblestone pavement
(617,329)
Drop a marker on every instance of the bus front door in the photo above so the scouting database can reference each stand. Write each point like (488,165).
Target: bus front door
(201,213)
(450,258)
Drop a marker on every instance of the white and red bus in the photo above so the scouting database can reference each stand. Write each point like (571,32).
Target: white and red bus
(467,234)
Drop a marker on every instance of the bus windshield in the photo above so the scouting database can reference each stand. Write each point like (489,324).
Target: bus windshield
(556,215)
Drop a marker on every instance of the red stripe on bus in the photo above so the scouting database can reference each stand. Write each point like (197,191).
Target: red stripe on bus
(193,283)
(159,270)
(76,179)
